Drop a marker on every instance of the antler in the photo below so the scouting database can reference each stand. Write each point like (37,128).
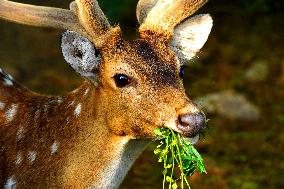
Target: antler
(85,17)
(92,18)
(159,17)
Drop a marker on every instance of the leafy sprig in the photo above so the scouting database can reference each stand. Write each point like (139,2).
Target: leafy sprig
(175,151)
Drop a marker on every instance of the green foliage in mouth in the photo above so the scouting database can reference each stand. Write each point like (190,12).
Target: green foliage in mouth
(176,151)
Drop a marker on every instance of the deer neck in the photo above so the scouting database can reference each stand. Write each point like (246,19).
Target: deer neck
(106,166)
(65,141)
(98,158)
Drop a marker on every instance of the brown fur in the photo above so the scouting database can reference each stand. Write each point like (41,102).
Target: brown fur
(92,135)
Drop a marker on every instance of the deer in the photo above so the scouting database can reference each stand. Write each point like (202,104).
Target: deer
(90,137)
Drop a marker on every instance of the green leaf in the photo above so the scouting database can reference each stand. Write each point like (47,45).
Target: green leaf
(157,151)
(158,132)
(174,185)
(168,166)
(169,179)
(164,172)
(175,150)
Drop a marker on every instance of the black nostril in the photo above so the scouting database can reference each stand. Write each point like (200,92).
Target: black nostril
(191,124)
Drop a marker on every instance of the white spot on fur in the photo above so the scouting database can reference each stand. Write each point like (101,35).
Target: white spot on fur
(190,36)
(46,107)
(2,105)
(78,109)
(10,77)
(67,119)
(11,183)
(19,158)
(20,133)
(59,100)
(8,82)
(71,104)
(86,92)
(54,148)
(11,112)
(32,156)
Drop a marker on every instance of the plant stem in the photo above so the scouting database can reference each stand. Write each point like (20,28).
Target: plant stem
(187,183)
(165,162)
(177,147)
(173,162)
(175,150)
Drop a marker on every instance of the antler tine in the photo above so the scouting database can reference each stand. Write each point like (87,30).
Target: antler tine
(92,18)
(40,16)
(159,17)
(143,8)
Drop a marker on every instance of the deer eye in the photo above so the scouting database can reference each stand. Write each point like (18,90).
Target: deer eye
(182,71)
(121,80)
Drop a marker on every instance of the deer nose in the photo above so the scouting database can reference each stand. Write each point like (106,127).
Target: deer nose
(192,124)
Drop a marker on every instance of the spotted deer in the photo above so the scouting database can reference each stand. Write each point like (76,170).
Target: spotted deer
(90,137)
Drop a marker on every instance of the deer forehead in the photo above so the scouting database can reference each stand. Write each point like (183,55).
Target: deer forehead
(159,68)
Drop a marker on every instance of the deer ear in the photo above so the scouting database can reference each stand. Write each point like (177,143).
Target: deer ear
(81,55)
(190,36)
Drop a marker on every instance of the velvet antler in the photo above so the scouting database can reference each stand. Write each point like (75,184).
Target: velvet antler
(159,17)
(85,17)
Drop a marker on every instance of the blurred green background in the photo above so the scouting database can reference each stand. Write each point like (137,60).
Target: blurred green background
(238,79)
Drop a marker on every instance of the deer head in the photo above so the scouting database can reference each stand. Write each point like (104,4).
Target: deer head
(140,81)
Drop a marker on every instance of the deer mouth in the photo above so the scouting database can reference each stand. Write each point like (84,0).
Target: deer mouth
(193,140)
(189,126)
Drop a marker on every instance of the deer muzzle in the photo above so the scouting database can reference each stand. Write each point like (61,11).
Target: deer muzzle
(191,124)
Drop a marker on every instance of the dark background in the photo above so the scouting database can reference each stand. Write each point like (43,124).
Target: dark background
(238,78)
